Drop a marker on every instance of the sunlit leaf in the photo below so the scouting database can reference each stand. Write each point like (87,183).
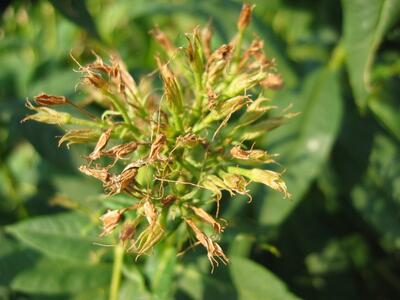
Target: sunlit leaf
(58,277)
(365,23)
(68,235)
(252,281)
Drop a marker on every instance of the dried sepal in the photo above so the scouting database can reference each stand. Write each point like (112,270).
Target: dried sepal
(254,111)
(236,183)
(267,177)
(79,136)
(172,87)
(258,129)
(47,115)
(217,62)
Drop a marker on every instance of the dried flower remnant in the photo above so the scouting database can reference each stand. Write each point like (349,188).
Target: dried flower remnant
(110,220)
(176,154)
(214,250)
(45,99)
(244,17)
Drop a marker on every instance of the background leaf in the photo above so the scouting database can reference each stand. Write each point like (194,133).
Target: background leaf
(306,143)
(364,27)
(58,277)
(77,12)
(67,235)
(255,282)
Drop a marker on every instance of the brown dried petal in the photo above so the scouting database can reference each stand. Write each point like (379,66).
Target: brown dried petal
(162,39)
(244,17)
(150,212)
(213,249)
(206,36)
(45,99)
(101,174)
(273,82)
(156,147)
(127,232)
(122,150)
(168,200)
(101,143)
(202,214)
(110,220)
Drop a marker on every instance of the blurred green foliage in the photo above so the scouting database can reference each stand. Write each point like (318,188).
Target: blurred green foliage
(339,238)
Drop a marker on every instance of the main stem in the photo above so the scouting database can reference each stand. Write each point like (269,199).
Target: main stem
(116,272)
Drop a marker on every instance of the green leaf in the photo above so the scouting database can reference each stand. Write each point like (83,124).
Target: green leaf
(198,285)
(162,279)
(252,281)
(135,283)
(377,197)
(67,235)
(59,277)
(365,23)
(387,111)
(305,143)
(77,12)
(14,258)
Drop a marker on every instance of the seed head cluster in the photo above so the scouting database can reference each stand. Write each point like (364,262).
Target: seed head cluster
(178,149)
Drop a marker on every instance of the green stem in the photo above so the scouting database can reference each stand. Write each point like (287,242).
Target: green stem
(123,112)
(116,272)
(337,58)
